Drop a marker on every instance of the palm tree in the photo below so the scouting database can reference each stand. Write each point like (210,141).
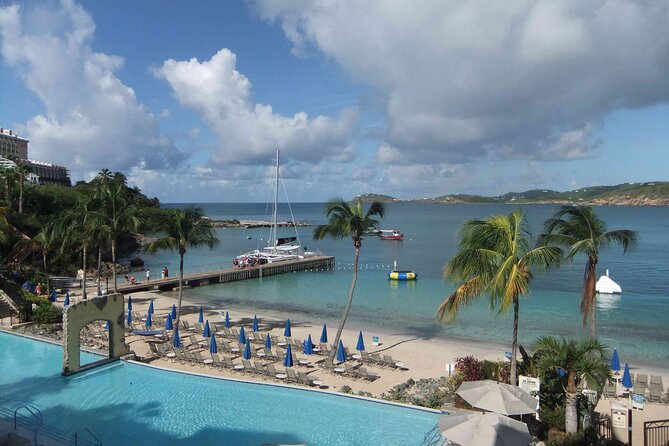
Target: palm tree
(22,171)
(79,226)
(577,361)
(345,220)
(495,259)
(118,217)
(580,230)
(182,229)
(8,174)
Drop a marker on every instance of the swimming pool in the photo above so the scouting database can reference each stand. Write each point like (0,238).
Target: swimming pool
(126,403)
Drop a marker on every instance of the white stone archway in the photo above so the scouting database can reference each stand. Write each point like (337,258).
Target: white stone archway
(110,308)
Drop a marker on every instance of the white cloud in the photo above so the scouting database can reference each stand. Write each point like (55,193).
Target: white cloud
(249,132)
(464,80)
(92,120)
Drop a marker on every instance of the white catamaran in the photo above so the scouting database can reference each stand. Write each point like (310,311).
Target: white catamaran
(279,249)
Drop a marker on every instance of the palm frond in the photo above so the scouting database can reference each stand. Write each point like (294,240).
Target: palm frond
(462,296)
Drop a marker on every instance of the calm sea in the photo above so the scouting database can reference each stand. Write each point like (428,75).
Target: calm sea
(637,323)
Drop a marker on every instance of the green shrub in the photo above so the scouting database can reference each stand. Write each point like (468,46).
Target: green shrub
(346,389)
(470,367)
(553,417)
(30,297)
(46,313)
(497,371)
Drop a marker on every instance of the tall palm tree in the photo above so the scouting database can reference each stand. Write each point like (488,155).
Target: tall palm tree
(495,258)
(345,220)
(79,227)
(579,229)
(182,229)
(578,361)
(118,217)
(22,172)
(8,175)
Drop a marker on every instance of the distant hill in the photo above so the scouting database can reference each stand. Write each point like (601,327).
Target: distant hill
(629,194)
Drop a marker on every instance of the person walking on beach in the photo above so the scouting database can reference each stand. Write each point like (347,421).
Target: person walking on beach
(162,273)
(167,272)
(148,275)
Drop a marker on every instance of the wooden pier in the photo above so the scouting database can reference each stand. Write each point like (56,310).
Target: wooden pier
(231,275)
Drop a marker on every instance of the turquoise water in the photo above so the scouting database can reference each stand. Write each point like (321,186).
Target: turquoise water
(636,322)
(126,404)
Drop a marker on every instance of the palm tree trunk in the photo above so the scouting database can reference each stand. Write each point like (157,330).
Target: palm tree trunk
(8,197)
(21,186)
(571,413)
(83,287)
(588,304)
(514,344)
(114,263)
(46,272)
(99,266)
(348,304)
(181,291)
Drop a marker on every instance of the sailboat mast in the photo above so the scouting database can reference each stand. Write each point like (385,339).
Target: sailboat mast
(276,201)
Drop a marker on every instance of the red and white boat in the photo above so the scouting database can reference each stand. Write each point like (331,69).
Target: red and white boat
(392,234)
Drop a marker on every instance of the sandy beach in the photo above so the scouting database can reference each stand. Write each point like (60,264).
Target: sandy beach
(423,358)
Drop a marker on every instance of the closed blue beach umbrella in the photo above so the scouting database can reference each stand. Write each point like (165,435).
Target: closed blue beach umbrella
(177,341)
(627,378)
(148,320)
(67,299)
(53,296)
(615,361)
(129,319)
(308,346)
(288,359)
(207,330)
(174,311)
(129,302)
(200,318)
(169,325)
(361,343)
(247,350)
(286,332)
(268,341)
(242,336)
(255,323)
(341,353)
(151,307)
(227,319)
(324,334)
(213,348)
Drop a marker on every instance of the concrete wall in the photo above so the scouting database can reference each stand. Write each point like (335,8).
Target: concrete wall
(109,308)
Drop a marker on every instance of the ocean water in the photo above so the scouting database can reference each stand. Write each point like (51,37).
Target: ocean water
(637,323)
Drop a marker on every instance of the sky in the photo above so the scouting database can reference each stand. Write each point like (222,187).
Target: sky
(191,100)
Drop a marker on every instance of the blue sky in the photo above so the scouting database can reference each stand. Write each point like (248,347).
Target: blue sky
(415,99)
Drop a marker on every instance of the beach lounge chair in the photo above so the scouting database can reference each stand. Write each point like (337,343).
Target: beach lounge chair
(376,358)
(186,325)
(364,374)
(325,349)
(198,359)
(275,339)
(259,368)
(216,361)
(247,365)
(227,362)
(642,379)
(366,357)
(297,344)
(258,338)
(351,370)
(292,376)
(389,361)
(611,390)
(327,364)
(271,370)
(226,332)
(655,394)
(303,378)
(656,380)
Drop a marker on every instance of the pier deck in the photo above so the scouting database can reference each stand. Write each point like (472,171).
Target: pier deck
(231,275)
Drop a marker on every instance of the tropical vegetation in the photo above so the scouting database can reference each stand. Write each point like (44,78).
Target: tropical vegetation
(349,220)
(495,258)
(582,232)
(574,362)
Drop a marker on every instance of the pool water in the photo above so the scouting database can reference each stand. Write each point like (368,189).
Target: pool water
(126,403)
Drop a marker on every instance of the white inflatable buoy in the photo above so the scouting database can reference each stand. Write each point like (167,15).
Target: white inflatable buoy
(607,286)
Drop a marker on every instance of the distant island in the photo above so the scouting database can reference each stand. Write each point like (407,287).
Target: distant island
(654,193)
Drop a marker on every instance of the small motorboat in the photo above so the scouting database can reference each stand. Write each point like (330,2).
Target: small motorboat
(398,274)
(605,285)
(393,234)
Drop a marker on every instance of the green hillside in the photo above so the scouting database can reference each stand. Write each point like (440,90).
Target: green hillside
(650,193)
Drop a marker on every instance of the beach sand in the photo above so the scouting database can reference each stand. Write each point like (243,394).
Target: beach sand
(424,358)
